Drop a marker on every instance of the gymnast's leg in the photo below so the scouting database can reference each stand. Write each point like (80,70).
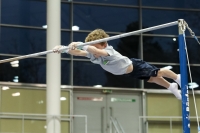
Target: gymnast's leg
(169,74)
(173,87)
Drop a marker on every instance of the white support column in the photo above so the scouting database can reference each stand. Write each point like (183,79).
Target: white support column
(53,77)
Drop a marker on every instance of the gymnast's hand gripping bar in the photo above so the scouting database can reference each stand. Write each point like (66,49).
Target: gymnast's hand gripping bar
(94,42)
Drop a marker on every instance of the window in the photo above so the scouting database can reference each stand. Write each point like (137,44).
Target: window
(22,41)
(195,4)
(89,74)
(165,49)
(29,70)
(160,49)
(114,19)
(118,2)
(65,16)
(65,72)
(157,17)
(23,12)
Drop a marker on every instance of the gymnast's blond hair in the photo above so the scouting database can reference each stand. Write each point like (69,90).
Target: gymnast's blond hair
(96,35)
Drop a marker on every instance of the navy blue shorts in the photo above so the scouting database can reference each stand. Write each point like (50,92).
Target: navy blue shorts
(143,70)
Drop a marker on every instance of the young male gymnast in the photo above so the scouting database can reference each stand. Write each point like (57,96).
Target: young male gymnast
(117,64)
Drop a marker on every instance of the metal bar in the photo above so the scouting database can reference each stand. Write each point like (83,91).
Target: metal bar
(169,8)
(102,4)
(184,80)
(111,111)
(86,124)
(95,42)
(147,126)
(102,119)
(54,124)
(133,6)
(111,114)
(144,105)
(170,122)
(116,128)
(110,126)
(28,117)
(117,124)
(128,34)
(26,56)
(21,114)
(140,40)
(139,124)
(120,126)
(23,124)
(166,117)
(71,111)
(22,26)
(71,40)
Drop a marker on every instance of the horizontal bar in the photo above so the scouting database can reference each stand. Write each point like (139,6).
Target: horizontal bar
(130,33)
(26,56)
(95,42)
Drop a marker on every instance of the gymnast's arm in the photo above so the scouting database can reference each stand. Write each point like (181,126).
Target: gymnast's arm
(88,48)
(91,49)
(78,52)
(96,51)
(72,50)
(75,51)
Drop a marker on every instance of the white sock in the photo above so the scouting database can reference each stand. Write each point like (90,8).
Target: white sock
(174,89)
(178,80)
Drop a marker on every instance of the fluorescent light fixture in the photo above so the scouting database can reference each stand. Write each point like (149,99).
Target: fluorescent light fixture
(15,65)
(41,102)
(64,86)
(193,85)
(63,98)
(5,88)
(75,28)
(14,62)
(16,94)
(44,26)
(15,80)
(174,39)
(168,67)
(98,86)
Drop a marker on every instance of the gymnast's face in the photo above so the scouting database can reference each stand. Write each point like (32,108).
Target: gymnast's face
(100,46)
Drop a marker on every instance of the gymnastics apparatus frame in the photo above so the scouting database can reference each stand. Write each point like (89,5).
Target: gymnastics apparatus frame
(182,25)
